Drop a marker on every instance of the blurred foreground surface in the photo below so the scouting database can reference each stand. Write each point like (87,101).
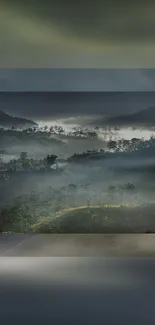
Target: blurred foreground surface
(77,290)
(78,245)
(80,283)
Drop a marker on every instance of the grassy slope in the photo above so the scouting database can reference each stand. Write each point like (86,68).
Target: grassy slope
(99,219)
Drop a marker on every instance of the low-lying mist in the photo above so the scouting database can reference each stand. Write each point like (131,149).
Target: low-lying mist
(96,167)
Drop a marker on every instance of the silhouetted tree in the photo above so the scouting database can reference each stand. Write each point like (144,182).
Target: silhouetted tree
(112,144)
(51,159)
(23,155)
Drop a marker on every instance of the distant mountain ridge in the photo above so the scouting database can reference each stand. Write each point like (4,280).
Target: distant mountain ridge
(145,117)
(7,120)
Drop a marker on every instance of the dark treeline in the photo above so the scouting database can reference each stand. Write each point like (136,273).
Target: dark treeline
(23,162)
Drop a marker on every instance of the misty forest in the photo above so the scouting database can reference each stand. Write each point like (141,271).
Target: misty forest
(78,174)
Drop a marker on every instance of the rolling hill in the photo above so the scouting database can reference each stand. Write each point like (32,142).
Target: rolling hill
(99,219)
(7,120)
(144,117)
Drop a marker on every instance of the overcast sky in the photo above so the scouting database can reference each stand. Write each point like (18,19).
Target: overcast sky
(77,80)
(77,34)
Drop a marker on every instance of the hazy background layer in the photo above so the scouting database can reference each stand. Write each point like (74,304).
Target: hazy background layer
(115,34)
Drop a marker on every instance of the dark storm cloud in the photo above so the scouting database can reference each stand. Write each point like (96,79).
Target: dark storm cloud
(113,20)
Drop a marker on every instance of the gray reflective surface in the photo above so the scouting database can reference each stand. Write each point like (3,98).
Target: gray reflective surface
(76,290)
